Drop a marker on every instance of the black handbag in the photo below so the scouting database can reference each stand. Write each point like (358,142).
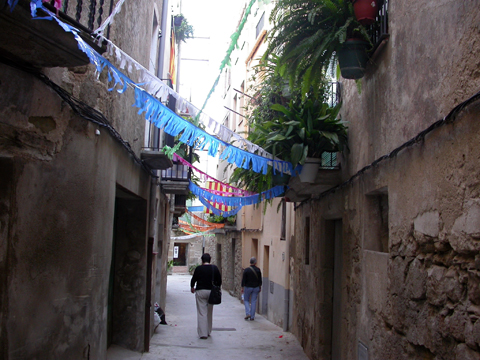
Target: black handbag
(215,297)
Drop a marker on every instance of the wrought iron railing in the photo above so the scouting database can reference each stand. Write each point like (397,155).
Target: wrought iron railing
(178,172)
(379,29)
(329,160)
(88,13)
(334,93)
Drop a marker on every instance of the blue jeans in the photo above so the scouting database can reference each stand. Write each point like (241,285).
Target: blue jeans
(250,304)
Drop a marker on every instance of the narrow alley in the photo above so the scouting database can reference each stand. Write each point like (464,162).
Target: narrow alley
(232,337)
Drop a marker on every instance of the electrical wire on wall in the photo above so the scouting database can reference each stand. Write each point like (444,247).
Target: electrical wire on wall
(451,117)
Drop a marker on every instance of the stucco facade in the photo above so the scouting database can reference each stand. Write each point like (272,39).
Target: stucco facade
(84,225)
(387,265)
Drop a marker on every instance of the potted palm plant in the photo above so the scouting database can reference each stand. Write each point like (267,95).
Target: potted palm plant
(308,37)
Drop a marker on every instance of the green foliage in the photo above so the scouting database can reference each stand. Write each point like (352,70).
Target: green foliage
(184,31)
(304,129)
(217,219)
(192,268)
(307,36)
(287,126)
(170,264)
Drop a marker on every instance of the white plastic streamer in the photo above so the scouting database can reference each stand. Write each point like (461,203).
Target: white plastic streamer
(109,20)
(164,118)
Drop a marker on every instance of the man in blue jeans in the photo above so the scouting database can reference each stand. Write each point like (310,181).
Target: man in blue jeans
(251,286)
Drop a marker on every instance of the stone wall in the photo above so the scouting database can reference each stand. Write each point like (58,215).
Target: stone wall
(419,298)
(406,273)
(231,260)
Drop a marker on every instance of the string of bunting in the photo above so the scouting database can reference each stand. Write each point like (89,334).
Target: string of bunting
(236,202)
(233,45)
(109,20)
(203,221)
(192,236)
(154,86)
(204,176)
(162,117)
(193,227)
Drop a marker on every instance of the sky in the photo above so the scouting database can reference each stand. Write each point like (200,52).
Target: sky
(214,21)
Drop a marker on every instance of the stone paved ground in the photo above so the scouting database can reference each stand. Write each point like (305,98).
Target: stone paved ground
(232,338)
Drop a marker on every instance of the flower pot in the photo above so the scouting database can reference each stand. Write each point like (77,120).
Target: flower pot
(365,11)
(177,20)
(353,58)
(310,170)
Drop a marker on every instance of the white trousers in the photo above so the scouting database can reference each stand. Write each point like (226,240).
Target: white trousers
(204,313)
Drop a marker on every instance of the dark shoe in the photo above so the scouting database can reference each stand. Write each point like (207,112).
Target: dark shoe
(247,317)
(251,319)
(203,337)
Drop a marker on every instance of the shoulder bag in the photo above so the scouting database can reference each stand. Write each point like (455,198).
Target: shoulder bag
(215,297)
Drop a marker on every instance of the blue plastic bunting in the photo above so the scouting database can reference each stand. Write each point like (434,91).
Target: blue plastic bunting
(164,118)
(236,201)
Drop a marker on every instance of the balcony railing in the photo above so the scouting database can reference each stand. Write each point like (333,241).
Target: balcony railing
(329,161)
(378,31)
(178,172)
(88,13)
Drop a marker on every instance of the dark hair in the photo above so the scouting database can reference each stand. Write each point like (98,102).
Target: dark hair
(206,258)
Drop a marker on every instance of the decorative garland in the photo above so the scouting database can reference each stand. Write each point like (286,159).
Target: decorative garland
(204,176)
(216,211)
(191,236)
(198,218)
(154,86)
(99,31)
(231,48)
(185,226)
(163,117)
(237,202)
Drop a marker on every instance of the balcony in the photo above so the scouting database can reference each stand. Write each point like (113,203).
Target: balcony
(328,176)
(43,43)
(180,205)
(175,180)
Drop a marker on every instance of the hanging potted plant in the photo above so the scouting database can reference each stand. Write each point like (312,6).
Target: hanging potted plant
(366,11)
(308,35)
(183,31)
(353,58)
(177,20)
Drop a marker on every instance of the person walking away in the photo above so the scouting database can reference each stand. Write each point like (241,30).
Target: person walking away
(203,277)
(251,286)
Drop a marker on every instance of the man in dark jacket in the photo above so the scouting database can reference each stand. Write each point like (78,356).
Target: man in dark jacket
(251,286)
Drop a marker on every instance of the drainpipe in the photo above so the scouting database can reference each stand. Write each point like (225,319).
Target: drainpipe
(150,251)
(286,301)
(165,36)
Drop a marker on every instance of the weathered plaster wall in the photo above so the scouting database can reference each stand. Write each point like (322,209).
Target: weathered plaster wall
(429,65)
(409,277)
(56,237)
(262,238)
(420,298)
(60,226)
